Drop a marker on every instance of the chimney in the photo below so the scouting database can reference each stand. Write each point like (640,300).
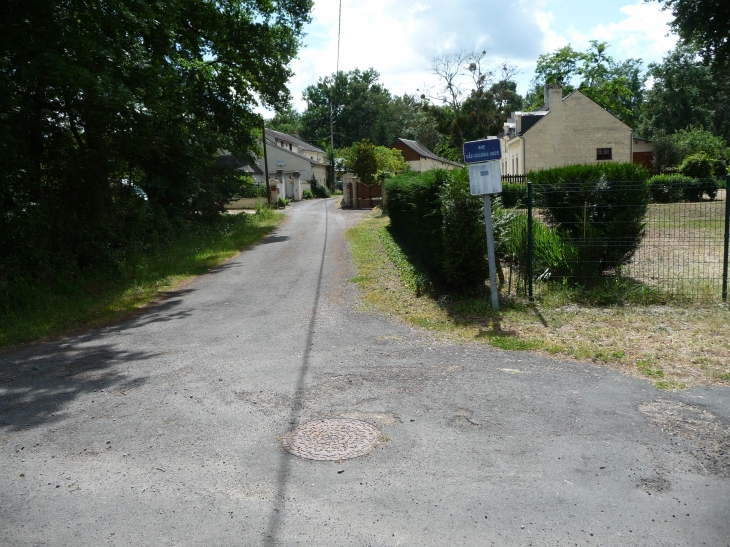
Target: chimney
(553,97)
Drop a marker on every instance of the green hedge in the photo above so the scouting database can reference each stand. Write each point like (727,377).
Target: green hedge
(514,195)
(674,188)
(597,209)
(415,216)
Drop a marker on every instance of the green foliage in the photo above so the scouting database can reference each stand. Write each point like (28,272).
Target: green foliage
(463,240)
(618,87)
(360,109)
(673,188)
(98,96)
(686,93)
(364,161)
(704,23)
(287,120)
(318,190)
(514,195)
(415,216)
(699,166)
(389,159)
(307,194)
(282,202)
(598,209)
(551,255)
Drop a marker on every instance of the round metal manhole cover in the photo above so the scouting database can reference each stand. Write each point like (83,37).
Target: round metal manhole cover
(331,439)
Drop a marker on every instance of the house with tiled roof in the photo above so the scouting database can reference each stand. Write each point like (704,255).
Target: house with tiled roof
(564,131)
(291,160)
(421,158)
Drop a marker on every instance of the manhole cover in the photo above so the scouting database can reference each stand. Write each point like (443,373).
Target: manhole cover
(331,439)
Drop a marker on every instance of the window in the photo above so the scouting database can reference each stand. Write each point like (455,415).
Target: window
(604,153)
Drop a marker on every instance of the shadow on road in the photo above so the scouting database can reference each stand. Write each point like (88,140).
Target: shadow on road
(38,381)
(282,475)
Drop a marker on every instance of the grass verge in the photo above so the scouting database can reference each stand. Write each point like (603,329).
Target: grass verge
(35,310)
(674,346)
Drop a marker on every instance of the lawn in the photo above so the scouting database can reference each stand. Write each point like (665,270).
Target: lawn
(673,345)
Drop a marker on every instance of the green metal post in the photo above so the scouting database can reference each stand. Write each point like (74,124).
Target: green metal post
(529,241)
(727,240)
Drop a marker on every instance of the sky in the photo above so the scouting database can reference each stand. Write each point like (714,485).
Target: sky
(400,38)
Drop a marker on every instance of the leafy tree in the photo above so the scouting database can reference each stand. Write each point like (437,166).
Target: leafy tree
(97,95)
(287,120)
(704,24)
(617,87)
(390,160)
(359,109)
(364,161)
(686,93)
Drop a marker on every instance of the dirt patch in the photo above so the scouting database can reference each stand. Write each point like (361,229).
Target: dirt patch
(708,438)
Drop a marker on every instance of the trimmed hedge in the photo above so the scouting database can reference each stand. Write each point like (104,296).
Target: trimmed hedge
(415,216)
(674,188)
(597,209)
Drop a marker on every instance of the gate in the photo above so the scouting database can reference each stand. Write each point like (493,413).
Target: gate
(369,195)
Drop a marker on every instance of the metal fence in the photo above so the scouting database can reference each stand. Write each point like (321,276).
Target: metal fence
(682,256)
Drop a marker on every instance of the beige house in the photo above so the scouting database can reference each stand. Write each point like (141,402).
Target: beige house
(421,158)
(564,131)
(292,162)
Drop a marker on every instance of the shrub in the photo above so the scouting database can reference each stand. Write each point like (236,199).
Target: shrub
(415,216)
(462,233)
(283,202)
(597,209)
(514,195)
(318,190)
(674,188)
(671,188)
(307,194)
(699,166)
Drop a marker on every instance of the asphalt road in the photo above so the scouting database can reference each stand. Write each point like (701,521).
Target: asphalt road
(165,429)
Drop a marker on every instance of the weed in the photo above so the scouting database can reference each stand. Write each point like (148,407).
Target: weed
(644,366)
(670,385)
(514,344)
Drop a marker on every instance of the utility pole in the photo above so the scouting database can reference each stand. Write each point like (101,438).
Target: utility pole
(266,162)
(332,146)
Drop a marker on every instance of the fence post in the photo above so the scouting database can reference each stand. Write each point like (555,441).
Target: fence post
(529,241)
(727,240)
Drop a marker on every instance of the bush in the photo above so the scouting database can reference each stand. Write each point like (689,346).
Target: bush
(415,216)
(282,202)
(674,188)
(318,191)
(307,194)
(463,236)
(699,166)
(514,195)
(671,188)
(597,209)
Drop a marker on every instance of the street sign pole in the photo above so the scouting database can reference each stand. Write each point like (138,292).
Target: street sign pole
(485,179)
(490,252)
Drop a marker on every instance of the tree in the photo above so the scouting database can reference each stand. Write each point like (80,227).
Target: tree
(704,24)
(363,161)
(93,94)
(686,93)
(286,120)
(617,87)
(359,109)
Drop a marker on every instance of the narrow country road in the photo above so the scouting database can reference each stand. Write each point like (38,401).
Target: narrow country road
(166,429)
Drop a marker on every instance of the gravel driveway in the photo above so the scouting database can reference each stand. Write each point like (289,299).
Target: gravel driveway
(166,429)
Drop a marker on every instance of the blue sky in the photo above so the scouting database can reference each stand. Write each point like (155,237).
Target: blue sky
(399,38)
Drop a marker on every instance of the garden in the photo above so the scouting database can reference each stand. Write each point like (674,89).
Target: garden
(617,274)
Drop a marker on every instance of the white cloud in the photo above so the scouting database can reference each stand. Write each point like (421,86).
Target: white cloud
(399,38)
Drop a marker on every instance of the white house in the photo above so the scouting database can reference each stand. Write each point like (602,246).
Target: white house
(291,160)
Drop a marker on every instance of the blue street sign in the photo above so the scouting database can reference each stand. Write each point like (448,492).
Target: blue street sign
(484,150)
